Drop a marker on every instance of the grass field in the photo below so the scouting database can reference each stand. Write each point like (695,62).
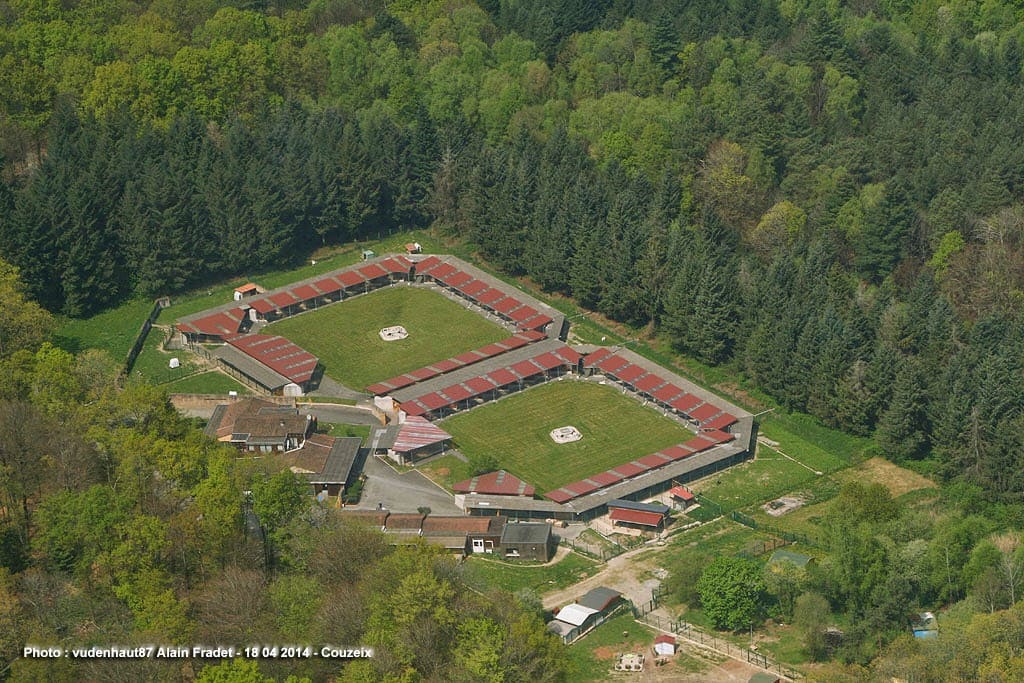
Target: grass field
(212,382)
(113,331)
(345,335)
(153,365)
(484,573)
(515,430)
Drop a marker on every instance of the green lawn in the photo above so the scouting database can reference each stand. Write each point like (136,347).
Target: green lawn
(756,481)
(153,365)
(483,573)
(515,430)
(447,470)
(345,335)
(362,431)
(212,382)
(113,331)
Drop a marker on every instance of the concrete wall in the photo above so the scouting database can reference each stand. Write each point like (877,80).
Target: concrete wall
(209,402)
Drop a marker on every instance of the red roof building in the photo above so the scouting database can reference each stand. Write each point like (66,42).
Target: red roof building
(278,354)
(350,278)
(499,483)
(641,517)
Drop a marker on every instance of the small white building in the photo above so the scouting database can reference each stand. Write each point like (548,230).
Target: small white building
(665,645)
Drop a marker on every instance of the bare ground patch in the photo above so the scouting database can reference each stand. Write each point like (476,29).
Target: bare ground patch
(893,477)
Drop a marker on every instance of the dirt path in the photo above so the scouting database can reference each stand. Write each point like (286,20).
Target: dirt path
(623,573)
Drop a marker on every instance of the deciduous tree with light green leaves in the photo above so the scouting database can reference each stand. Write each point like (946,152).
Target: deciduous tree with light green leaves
(731,592)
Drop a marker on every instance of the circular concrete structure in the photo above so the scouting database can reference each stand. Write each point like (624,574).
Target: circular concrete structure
(565,434)
(393,333)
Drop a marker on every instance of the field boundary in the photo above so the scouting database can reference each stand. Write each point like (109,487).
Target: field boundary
(140,339)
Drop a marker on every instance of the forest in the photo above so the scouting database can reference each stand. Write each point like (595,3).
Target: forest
(824,199)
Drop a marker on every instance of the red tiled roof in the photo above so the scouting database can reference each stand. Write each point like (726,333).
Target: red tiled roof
(489,296)
(515,342)
(596,357)
(492,350)
(249,287)
(580,488)
(421,374)
(499,483)
(458,278)
(611,364)
(502,377)
(676,452)
(606,478)
(522,314)
(262,306)
(548,361)
(442,270)
(525,368)
(413,408)
(506,305)
(559,495)
(667,393)
(718,436)
(653,461)
(721,422)
(569,355)
(648,382)
(350,278)
(456,392)
(306,292)
(630,373)
(396,265)
(629,469)
(473,287)
(469,357)
(327,285)
(446,365)
(416,432)
(278,354)
(380,388)
(427,264)
(433,401)
(535,323)
(216,324)
(699,444)
(284,299)
(685,403)
(636,517)
(479,385)
(705,412)
(372,271)
(681,493)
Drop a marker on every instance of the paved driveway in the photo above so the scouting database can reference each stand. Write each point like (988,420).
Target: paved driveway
(403,492)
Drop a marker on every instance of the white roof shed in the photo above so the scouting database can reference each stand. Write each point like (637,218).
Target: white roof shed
(575,614)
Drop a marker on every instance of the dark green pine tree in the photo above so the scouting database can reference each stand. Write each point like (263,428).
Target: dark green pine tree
(665,43)
(885,226)
(416,174)
(323,172)
(904,426)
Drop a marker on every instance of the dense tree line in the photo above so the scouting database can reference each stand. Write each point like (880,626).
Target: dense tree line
(826,200)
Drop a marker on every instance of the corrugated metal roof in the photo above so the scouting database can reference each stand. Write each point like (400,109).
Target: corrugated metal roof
(416,432)
(636,517)
(277,353)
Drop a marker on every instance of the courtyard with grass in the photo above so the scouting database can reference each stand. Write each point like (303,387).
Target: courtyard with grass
(345,336)
(515,431)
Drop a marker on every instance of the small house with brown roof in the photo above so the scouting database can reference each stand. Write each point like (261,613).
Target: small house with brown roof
(259,426)
(246,290)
